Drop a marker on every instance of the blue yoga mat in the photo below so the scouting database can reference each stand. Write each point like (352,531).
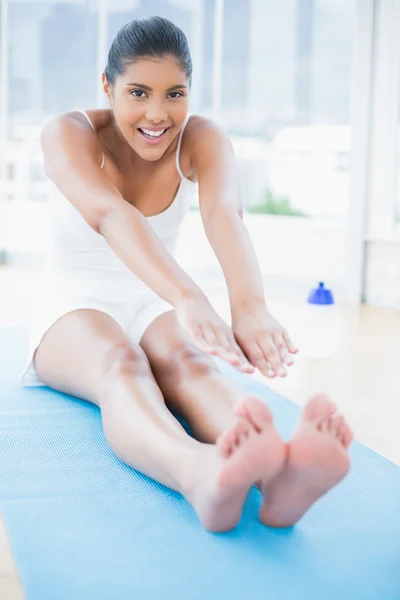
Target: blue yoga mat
(82,525)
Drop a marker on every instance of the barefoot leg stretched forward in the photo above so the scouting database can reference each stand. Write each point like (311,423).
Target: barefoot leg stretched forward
(87,354)
(313,461)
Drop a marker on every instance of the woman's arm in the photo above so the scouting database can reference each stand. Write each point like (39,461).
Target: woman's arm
(263,340)
(222,213)
(72,157)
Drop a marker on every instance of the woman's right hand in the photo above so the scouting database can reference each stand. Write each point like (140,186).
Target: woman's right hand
(209,332)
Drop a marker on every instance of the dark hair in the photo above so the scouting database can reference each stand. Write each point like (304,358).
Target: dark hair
(147,37)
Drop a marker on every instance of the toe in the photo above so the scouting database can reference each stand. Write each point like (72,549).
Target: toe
(318,409)
(235,437)
(336,424)
(342,431)
(225,444)
(231,439)
(348,437)
(243,429)
(256,412)
(343,437)
(326,424)
(240,409)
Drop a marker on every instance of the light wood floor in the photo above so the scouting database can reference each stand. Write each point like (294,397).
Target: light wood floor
(358,367)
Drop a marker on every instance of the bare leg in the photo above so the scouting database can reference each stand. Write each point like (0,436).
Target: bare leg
(86,354)
(195,389)
(190,381)
(313,462)
(214,479)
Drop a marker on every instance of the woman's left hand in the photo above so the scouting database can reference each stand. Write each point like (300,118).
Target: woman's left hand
(264,341)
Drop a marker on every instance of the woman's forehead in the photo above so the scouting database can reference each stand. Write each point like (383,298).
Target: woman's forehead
(158,69)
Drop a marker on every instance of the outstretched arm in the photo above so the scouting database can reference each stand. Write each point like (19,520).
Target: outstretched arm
(72,161)
(264,341)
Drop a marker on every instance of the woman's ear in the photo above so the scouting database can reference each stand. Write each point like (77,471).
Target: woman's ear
(106,88)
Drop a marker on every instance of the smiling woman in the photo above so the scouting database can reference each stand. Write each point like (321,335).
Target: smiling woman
(120,324)
(156,111)
(142,96)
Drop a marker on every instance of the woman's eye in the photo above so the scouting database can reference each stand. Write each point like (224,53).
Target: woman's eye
(136,92)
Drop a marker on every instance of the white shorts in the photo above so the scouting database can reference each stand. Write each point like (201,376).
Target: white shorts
(134,308)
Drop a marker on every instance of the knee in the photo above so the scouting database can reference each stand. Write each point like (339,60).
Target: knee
(125,359)
(186,361)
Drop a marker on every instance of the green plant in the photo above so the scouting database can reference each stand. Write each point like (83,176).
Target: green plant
(275,205)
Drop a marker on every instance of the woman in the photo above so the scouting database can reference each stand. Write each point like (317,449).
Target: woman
(121,324)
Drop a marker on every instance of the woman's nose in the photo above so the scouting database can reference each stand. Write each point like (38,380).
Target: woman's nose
(156,113)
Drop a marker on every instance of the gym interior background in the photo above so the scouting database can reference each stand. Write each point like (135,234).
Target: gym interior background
(308,91)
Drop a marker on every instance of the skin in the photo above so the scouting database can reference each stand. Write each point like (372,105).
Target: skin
(258,340)
(118,197)
(237,444)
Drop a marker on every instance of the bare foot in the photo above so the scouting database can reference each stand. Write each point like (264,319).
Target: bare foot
(225,472)
(317,460)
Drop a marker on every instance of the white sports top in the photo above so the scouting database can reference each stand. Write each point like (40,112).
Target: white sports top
(77,249)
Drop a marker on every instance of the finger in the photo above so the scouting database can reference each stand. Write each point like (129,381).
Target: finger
(200,341)
(213,339)
(259,361)
(231,346)
(235,359)
(288,341)
(271,354)
(209,336)
(282,348)
(270,371)
(227,349)
(225,343)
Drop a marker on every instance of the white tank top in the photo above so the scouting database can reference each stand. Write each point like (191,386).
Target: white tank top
(77,249)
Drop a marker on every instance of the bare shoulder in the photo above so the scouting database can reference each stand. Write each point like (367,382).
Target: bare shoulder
(70,136)
(100,118)
(200,130)
(207,143)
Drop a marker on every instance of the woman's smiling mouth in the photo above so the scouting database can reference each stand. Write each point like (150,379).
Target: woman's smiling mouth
(153,135)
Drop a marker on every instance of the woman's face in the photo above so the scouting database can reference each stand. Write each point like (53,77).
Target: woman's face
(150,103)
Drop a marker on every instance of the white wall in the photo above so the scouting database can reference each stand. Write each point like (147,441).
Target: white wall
(293,253)
(383,274)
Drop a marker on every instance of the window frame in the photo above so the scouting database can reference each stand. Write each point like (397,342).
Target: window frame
(384,145)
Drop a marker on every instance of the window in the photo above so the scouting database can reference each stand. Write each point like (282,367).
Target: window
(52,68)
(289,91)
(284,99)
(276,76)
